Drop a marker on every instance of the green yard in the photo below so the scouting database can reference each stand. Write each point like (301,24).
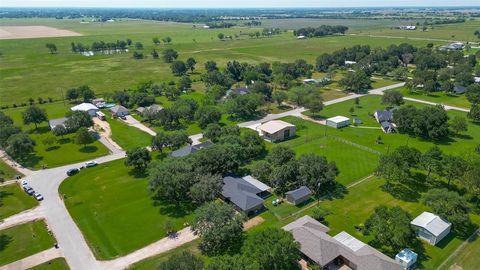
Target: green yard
(55,264)
(54,155)
(14,200)
(7,172)
(24,240)
(438,97)
(110,202)
(126,136)
(467,257)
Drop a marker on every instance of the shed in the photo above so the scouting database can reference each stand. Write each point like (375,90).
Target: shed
(86,107)
(119,110)
(338,121)
(57,122)
(299,195)
(277,130)
(407,258)
(431,227)
(357,121)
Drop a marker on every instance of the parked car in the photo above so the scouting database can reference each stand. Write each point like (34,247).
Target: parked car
(28,189)
(24,183)
(123,117)
(91,163)
(72,171)
(38,196)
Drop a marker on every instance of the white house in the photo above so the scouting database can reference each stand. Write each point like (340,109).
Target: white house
(349,63)
(86,107)
(301,37)
(338,121)
(431,227)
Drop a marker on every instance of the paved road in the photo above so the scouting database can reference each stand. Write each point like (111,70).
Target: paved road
(68,235)
(380,91)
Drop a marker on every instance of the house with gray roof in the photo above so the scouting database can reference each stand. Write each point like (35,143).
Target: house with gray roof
(57,122)
(245,196)
(189,149)
(431,227)
(119,111)
(153,108)
(299,195)
(238,91)
(383,116)
(342,251)
(459,89)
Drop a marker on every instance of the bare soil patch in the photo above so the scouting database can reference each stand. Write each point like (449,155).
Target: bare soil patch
(34,31)
(253,222)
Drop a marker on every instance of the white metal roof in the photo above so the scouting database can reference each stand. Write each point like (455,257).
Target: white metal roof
(256,183)
(349,241)
(338,119)
(431,222)
(84,107)
(274,126)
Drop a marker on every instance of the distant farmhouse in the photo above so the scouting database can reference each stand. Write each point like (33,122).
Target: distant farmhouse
(119,111)
(153,108)
(238,91)
(385,119)
(342,251)
(453,46)
(431,227)
(189,149)
(246,193)
(86,107)
(408,27)
(277,130)
(322,81)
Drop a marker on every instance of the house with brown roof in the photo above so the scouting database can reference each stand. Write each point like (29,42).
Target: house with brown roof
(342,251)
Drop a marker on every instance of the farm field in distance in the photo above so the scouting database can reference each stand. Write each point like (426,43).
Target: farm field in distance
(106,73)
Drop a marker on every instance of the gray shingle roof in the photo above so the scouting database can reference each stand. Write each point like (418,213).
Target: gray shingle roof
(320,247)
(459,89)
(189,149)
(118,109)
(241,193)
(299,192)
(384,115)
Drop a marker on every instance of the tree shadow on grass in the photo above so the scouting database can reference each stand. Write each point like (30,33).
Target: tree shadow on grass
(31,160)
(4,194)
(52,148)
(40,130)
(64,140)
(463,136)
(89,149)
(138,173)
(4,241)
(336,192)
(175,210)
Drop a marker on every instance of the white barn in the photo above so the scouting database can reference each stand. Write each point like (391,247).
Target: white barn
(431,227)
(86,107)
(338,121)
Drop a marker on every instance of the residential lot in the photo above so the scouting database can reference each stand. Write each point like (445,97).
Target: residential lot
(110,202)
(56,264)
(14,200)
(438,97)
(24,240)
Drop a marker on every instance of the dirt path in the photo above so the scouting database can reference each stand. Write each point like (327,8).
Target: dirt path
(103,128)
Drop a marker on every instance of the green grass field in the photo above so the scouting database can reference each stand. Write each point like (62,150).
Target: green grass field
(106,73)
(55,264)
(110,202)
(467,258)
(128,137)
(54,155)
(367,136)
(14,200)
(24,240)
(438,97)
(7,172)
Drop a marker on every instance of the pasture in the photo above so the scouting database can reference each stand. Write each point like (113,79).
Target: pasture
(24,240)
(111,201)
(14,200)
(106,73)
(438,97)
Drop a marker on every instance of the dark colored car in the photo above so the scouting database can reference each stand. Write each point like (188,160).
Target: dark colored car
(72,171)
(28,189)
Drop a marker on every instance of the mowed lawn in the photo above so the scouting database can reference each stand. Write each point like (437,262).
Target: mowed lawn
(24,240)
(126,136)
(367,133)
(354,162)
(7,172)
(114,210)
(64,150)
(107,73)
(55,264)
(14,200)
(467,257)
(438,97)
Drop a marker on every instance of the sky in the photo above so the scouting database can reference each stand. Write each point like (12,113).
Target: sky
(234,3)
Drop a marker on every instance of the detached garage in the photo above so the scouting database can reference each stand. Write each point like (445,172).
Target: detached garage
(299,195)
(338,121)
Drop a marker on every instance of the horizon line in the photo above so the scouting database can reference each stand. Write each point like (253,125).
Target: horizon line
(249,7)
